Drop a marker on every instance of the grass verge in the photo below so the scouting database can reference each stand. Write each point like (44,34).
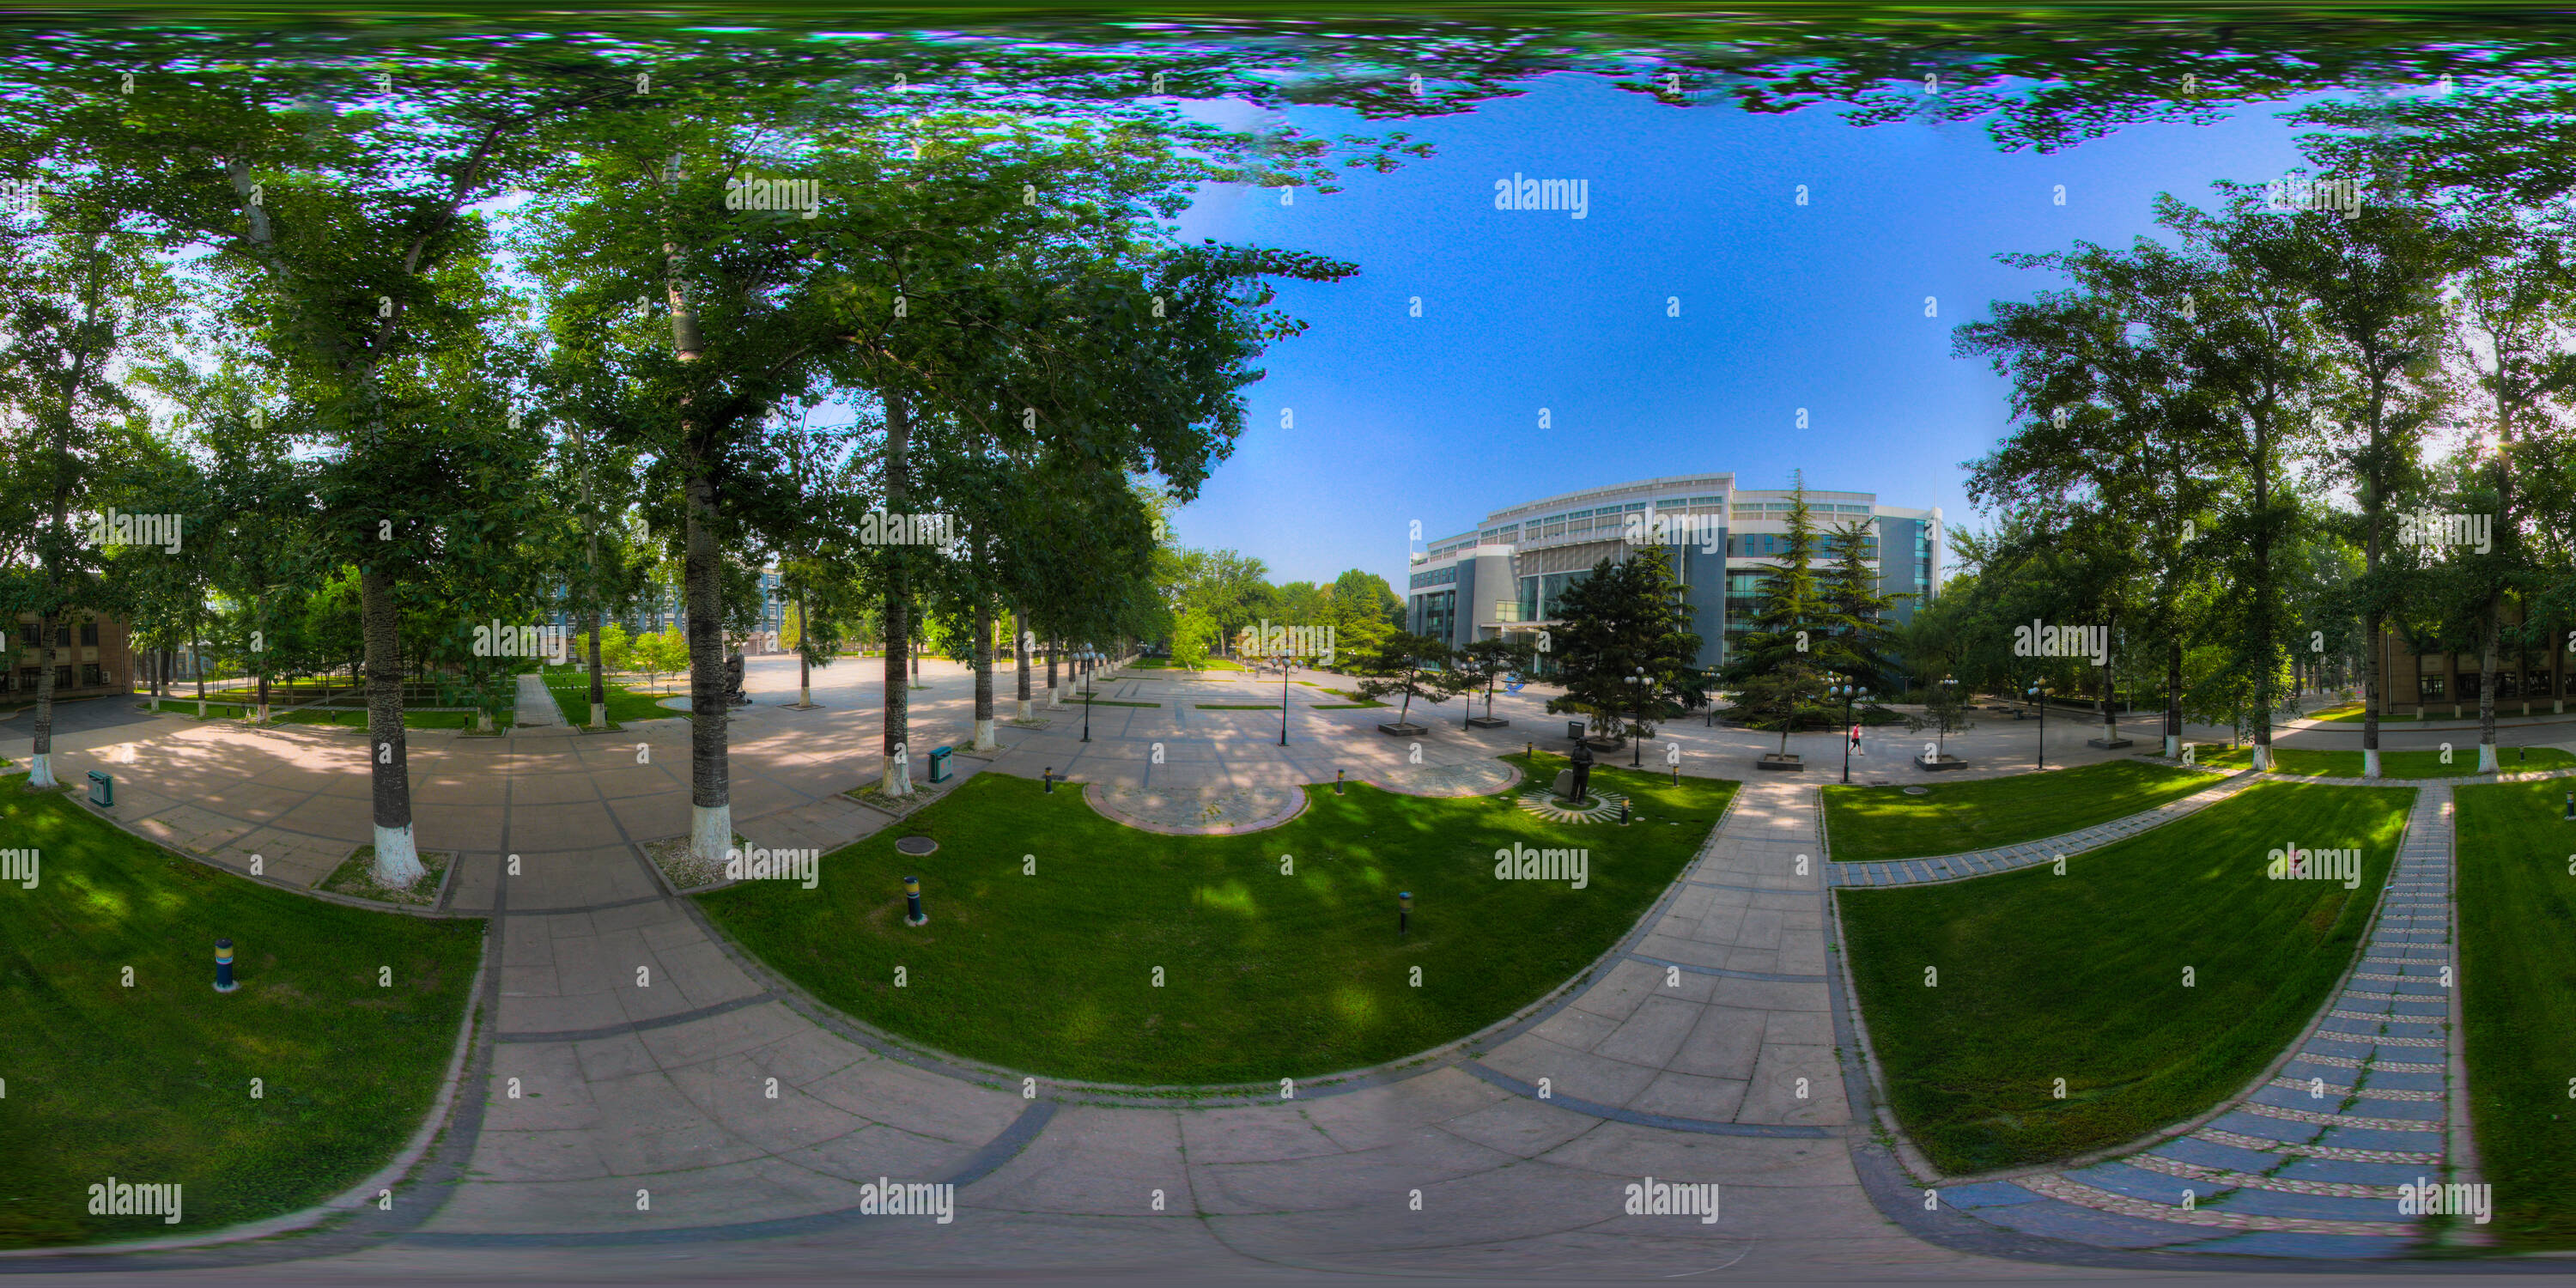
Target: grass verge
(151,1083)
(2517,937)
(2081,976)
(625,706)
(1270,970)
(1866,823)
(2392,764)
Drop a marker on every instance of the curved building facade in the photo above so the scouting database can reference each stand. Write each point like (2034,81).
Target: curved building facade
(1506,576)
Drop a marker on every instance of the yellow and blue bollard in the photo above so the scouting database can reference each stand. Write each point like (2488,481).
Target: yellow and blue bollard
(1337,782)
(1404,912)
(913,915)
(1049,776)
(224,966)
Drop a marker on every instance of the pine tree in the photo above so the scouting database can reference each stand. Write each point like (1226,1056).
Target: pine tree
(1780,667)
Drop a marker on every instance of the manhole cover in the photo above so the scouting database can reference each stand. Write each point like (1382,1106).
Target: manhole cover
(1918,791)
(915,845)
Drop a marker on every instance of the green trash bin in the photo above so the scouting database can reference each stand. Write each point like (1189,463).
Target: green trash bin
(939,771)
(102,789)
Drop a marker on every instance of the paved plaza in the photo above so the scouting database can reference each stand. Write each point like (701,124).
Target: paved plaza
(1708,1045)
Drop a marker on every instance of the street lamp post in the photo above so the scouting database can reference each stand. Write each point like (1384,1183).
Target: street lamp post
(1085,657)
(1636,703)
(1848,693)
(1287,663)
(2039,698)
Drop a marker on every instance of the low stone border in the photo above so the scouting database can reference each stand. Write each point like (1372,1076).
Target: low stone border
(681,871)
(436,898)
(1097,796)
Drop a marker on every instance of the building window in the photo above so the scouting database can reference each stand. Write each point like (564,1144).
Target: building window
(89,634)
(92,675)
(2429,687)
(1439,614)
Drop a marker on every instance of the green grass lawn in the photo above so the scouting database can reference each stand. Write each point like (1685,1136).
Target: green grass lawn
(1166,664)
(1266,975)
(152,1083)
(2392,764)
(2517,938)
(1865,823)
(2352,714)
(2081,976)
(625,706)
(278,714)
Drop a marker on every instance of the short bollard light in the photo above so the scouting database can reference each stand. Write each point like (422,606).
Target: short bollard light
(1623,813)
(1337,782)
(224,966)
(1404,912)
(2570,815)
(913,915)
(1049,776)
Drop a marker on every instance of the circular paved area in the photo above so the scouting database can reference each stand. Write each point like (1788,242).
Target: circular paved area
(1702,1049)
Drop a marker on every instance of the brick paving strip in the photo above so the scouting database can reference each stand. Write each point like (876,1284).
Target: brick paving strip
(2308,1162)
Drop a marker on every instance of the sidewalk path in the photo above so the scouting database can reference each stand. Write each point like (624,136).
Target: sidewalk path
(1977,863)
(2308,1163)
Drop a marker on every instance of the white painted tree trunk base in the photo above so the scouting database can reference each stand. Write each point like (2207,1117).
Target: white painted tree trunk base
(599,715)
(2487,763)
(1024,710)
(710,832)
(984,740)
(897,780)
(2173,746)
(40,771)
(1055,696)
(397,859)
(2370,762)
(2262,758)
(482,721)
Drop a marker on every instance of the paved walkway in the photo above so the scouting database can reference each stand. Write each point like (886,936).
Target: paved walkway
(536,706)
(2308,1163)
(643,1129)
(1977,863)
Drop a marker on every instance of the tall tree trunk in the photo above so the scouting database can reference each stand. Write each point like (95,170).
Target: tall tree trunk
(804,662)
(984,740)
(710,789)
(2264,637)
(40,765)
(2173,698)
(2110,703)
(1020,646)
(1055,687)
(897,769)
(2487,632)
(389,761)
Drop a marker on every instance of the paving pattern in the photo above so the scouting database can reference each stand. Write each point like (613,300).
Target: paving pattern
(2308,1163)
(1977,863)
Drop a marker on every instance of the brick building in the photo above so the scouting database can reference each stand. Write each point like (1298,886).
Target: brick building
(91,657)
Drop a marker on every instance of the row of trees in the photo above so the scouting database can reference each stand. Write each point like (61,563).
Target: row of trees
(288,306)
(2251,451)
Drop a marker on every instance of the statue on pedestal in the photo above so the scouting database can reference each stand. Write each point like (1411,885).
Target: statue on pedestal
(1582,773)
(734,696)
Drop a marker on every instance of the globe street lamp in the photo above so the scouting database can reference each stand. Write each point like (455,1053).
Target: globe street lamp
(1848,693)
(1640,686)
(2039,697)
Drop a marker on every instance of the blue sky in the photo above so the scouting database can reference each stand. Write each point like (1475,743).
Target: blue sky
(1436,418)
